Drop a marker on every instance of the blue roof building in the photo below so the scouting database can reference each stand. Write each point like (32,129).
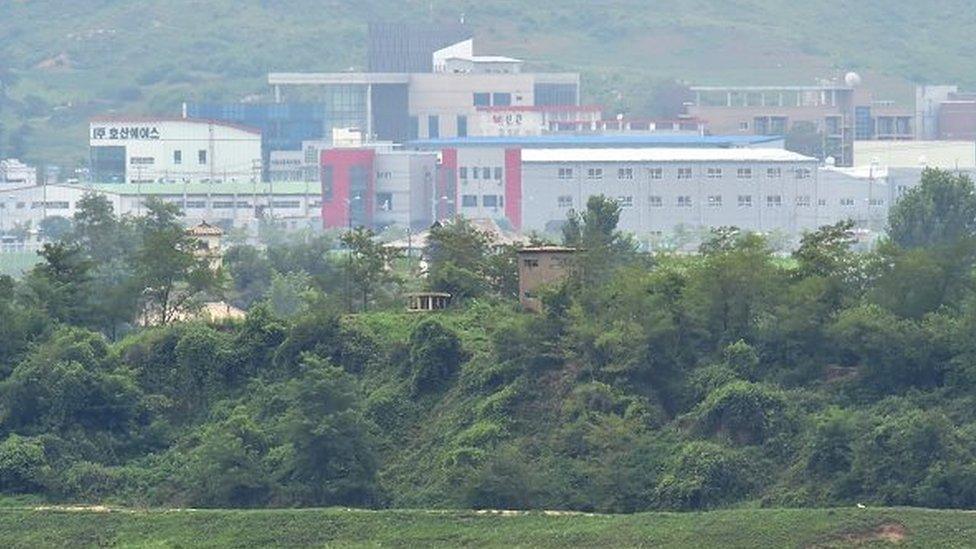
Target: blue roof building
(603,141)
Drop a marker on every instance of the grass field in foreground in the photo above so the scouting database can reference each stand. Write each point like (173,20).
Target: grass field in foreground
(40,527)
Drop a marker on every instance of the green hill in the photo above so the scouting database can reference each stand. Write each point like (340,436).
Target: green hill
(843,527)
(63,62)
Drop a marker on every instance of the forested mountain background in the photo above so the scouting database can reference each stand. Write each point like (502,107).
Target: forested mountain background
(62,62)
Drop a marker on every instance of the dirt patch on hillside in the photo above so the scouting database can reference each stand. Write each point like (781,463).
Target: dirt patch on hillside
(889,532)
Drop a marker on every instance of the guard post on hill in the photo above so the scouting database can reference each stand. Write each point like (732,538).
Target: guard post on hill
(539,266)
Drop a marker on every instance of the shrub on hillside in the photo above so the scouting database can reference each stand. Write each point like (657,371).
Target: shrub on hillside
(435,355)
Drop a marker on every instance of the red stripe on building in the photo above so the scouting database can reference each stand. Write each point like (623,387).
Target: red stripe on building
(337,166)
(513,187)
(447,188)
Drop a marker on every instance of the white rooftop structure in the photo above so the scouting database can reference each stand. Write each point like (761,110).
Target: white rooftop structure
(662,155)
(946,155)
(460,58)
(15,172)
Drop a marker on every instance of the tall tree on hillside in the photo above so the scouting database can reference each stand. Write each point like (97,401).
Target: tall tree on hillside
(940,211)
(368,264)
(62,284)
(457,252)
(97,230)
(109,243)
(167,267)
(594,232)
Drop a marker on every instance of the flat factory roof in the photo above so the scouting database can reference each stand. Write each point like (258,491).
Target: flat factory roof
(599,141)
(662,155)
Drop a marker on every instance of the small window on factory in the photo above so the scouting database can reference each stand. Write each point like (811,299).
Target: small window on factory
(177,157)
(498,173)
(462,126)
(774,201)
(774,173)
(745,201)
(744,173)
(684,173)
(565,201)
(565,173)
(713,173)
(433,126)
(715,201)
(501,99)
(655,173)
(384,202)
(655,201)
(469,201)
(684,201)
(482,99)
(463,172)
(625,173)
(486,173)
(594,173)
(625,201)
(490,200)
(202,156)
(414,127)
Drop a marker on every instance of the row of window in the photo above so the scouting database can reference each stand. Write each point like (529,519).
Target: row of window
(480,173)
(626,174)
(230,204)
(177,159)
(488,201)
(498,99)
(50,204)
(715,201)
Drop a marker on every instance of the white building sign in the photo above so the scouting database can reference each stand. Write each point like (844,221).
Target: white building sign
(118,133)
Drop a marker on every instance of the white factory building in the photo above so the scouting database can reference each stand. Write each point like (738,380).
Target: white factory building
(660,189)
(290,205)
(172,150)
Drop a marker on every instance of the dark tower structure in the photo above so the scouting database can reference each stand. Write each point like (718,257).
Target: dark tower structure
(409,47)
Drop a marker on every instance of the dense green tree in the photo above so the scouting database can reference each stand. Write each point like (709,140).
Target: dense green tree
(62,284)
(22,324)
(594,232)
(227,468)
(23,465)
(250,272)
(941,210)
(703,475)
(368,265)
(731,291)
(328,457)
(892,353)
(67,383)
(55,227)
(456,253)
(746,413)
(435,355)
(168,268)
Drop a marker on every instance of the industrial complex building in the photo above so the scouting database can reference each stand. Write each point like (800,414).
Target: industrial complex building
(432,130)
(172,150)
(291,205)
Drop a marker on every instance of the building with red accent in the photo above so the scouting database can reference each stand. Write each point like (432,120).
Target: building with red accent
(377,186)
(482,177)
